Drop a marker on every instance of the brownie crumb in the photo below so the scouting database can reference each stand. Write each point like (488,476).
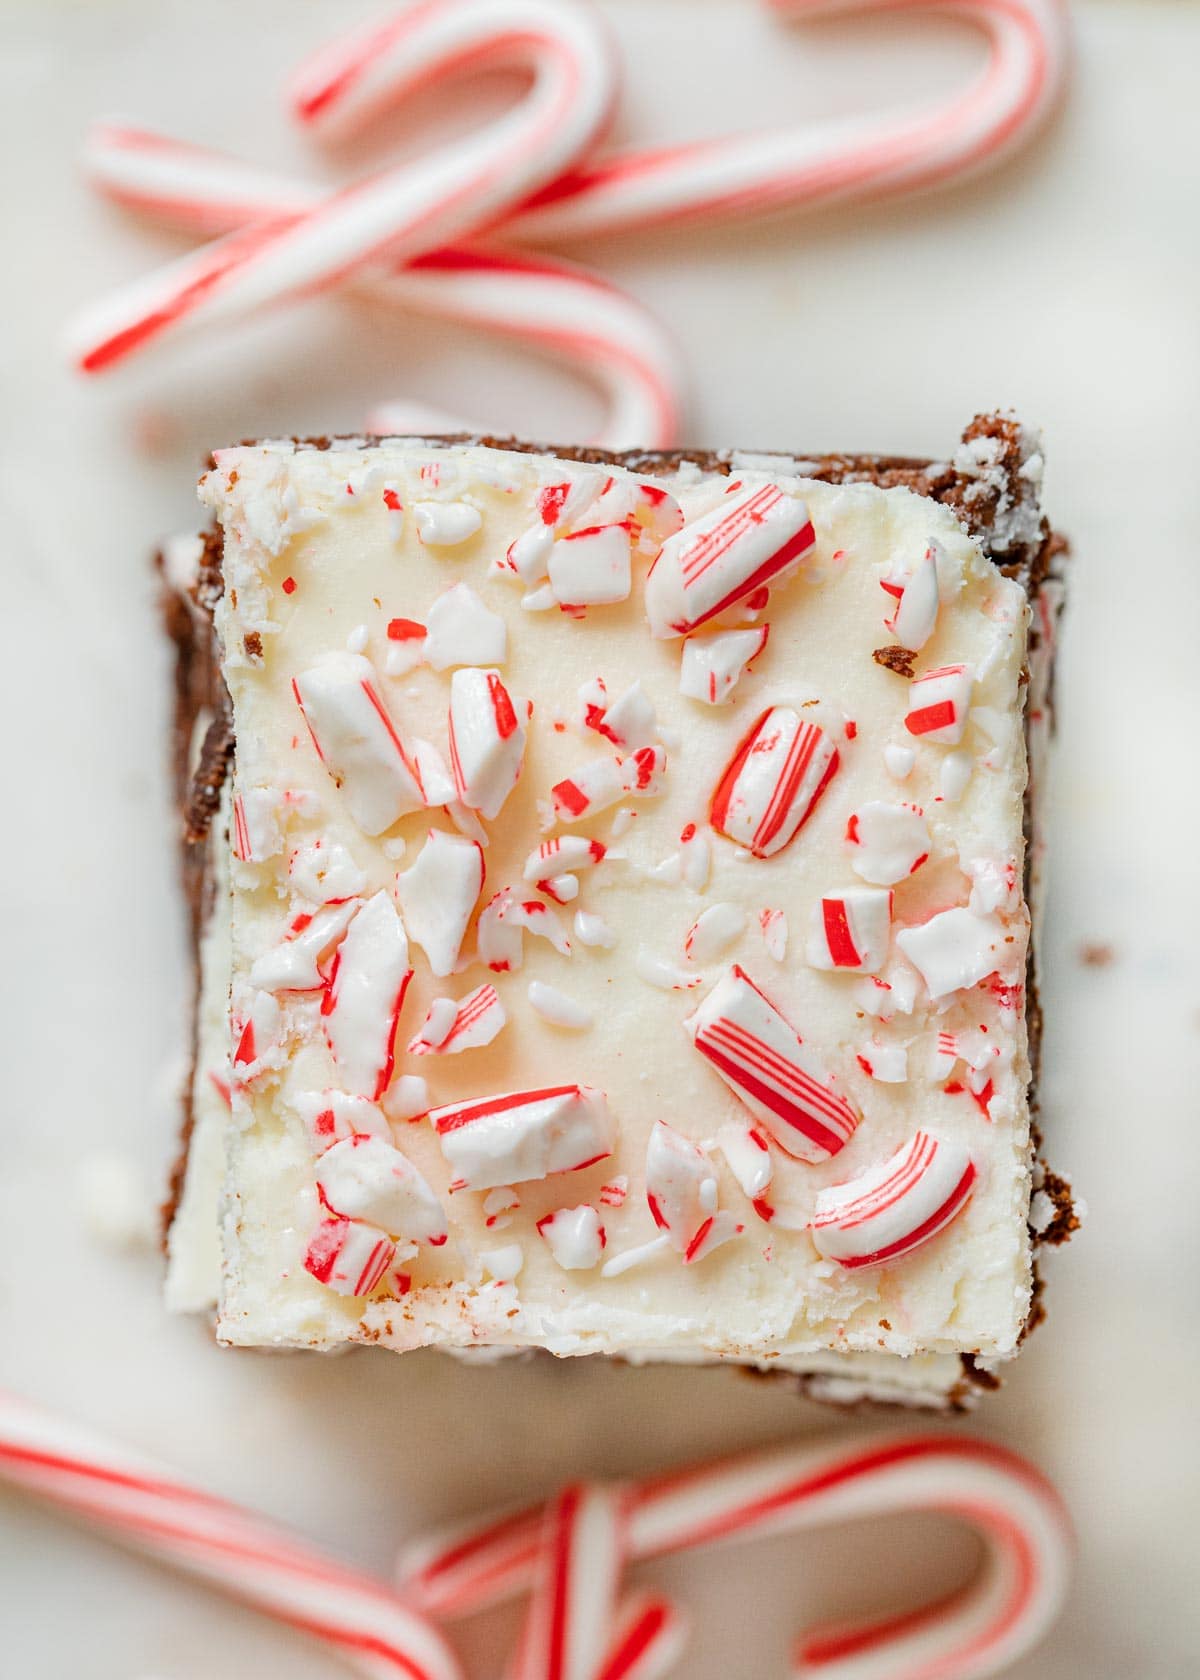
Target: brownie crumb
(1066,1221)
(896,659)
(252,642)
(1096,955)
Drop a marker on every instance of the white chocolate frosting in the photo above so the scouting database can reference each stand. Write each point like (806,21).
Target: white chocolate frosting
(578,913)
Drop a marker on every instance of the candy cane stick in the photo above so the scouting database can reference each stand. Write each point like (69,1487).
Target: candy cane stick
(569,1623)
(838,159)
(250,1559)
(977,1632)
(410,208)
(552,304)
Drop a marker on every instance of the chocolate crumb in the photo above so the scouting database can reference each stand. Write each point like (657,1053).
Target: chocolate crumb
(896,659)
(1096,955)
(252,642)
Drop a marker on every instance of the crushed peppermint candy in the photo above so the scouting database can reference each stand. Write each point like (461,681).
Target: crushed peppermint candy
(938,703)
(358,742)
(774,781)
(362,1002)
(362,1177)
(712,664)
(713,932)
(462,631)
(487,740)
(556,1007)
(438,894)
(466,1024)
(349,1256)
(887,842)
(954,949)
(521,1135)
(896,1206)
(446,524)
(851,930)
(575,1237)
(915,591)
(682,1194)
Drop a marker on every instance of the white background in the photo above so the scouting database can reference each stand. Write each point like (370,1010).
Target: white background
(1065,285)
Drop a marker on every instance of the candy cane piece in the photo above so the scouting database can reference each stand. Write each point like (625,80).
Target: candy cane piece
(468,1024)
(400,211)
(348,1255)
(365,995)
(914,617)
(357,740)
(752,538)
(438,894)
(523,1135)
(938,703)
(570,1613)
(487,741)
(895,1206)
(366,1178)
(648,1641)
(774,782)
(851,930)
(998,1617)
(299,961)
(712,665)
(681,1192)
(252,1560)
(830,161)
(330,1116)
(761,1058)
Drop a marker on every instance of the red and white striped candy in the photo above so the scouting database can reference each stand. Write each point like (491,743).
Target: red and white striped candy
(888,843)
(682,1192)
(499,940)
(914,617)
(331,1116)
(643,771)
(300,961)
(762,1059)
(538,918)
(366,1178)
(938,703)
(629,721)
(575,1237)
(896,1206)
(564,852)
(852,929)
(592,567)
(256,1031)
(955,949)
(754,537)
(713,932)
(438,894)
(366,990)
(358,742)
(648,1641)
(774,781)
(348,1256)
(593,787)
(569,1621)
(747,1155)
(712,665)
(487,742)
(520,1135)
(467,1024)
(460,630)
(255,831)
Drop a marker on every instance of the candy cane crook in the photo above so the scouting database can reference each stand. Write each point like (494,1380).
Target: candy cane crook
(839,159)
(549,303)
(976,1632)
(253,1561)
(404,210)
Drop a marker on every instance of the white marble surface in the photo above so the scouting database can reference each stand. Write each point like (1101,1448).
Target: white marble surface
(1065,285)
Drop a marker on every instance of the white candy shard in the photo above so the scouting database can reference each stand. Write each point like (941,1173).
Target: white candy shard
(643,771)
(330,1116)
(503,1264)
(957,769)
(446,524)
(366,1178)
(436,780)
(357,741)
(255,831)
(886,1063)
(468,1024)
(682,1191)
(325,871)
(914,617)
(938,703)
(591,567)
(887,842)
(406,1098)
(561,853)
(255,1035)
(556,1007)
(752,538)
(629,721)
(521,1135)
(538,918)
(772,784)
(574,1236)
(499,940)
(695,857)
(851,930)
(349,1256)
(462,631)
(664,976)
(954,949)
(774,924)
(438,894)
(712,665)
(366,991)
(748,1156)
(898,761)
(762,1059)
(894,1207)
(713,932)
(299,962)
(487,742)
(594,931)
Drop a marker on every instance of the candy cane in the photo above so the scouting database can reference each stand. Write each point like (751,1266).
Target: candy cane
(978,1631)
(554,305)
(819,163)
(402,211)
(248,1557)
